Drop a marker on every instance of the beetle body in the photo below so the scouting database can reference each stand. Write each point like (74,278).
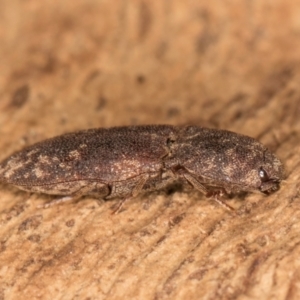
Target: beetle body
(123,161)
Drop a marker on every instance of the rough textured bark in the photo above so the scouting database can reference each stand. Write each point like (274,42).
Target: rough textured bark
(69,66)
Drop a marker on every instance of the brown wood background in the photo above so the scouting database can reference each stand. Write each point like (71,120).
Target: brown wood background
(69,65)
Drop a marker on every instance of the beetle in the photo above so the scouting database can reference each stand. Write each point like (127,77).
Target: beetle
(124,161)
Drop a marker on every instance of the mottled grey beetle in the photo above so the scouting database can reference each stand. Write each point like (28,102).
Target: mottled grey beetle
(123,161)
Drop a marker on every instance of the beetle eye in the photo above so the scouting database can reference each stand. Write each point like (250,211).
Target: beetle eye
(263,175)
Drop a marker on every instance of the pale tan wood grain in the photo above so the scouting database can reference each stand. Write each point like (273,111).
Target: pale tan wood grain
(74,65)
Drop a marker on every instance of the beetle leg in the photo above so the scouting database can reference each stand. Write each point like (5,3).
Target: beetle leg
(135,191)
(56,201)
(215,195)
(195,183)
